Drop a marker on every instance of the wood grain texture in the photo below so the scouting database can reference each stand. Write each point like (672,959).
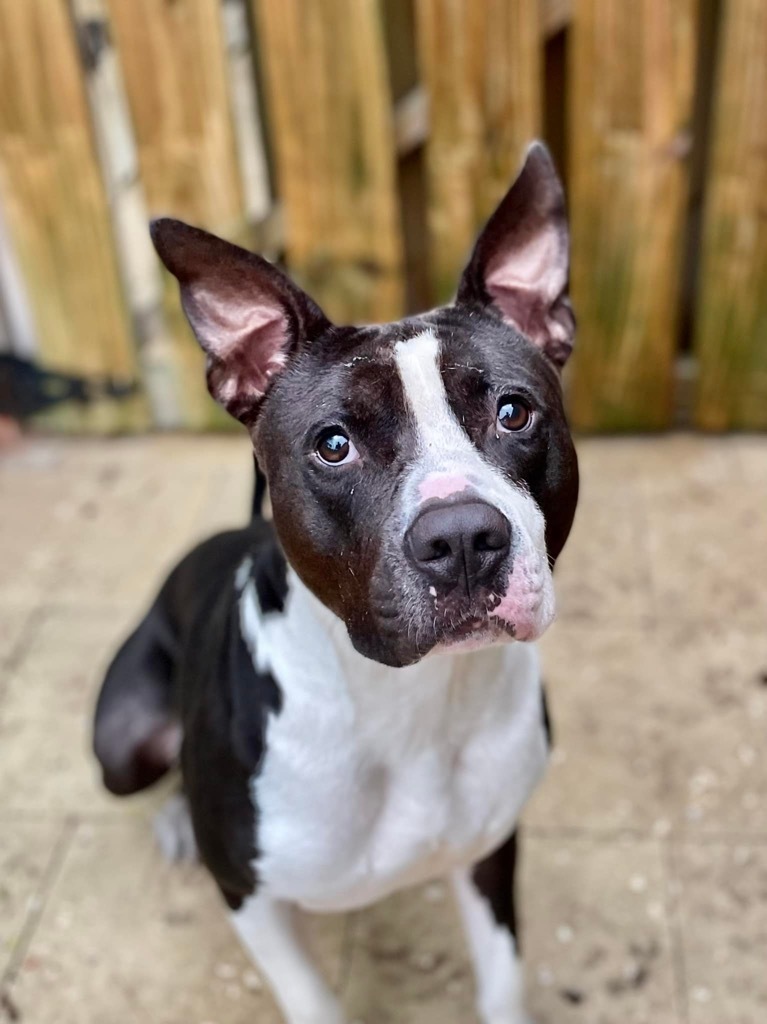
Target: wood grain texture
(173,58)
(555,15)
(731,334)
(330,117)
(57,213)
(140,269)
(481,64)
(630,104)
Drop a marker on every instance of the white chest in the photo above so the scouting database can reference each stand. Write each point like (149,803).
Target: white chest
(377,778)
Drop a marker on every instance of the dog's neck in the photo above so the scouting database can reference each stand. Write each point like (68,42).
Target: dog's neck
(309,645)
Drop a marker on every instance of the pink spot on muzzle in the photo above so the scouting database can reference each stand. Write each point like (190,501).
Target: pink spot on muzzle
(442,485)
(520,605)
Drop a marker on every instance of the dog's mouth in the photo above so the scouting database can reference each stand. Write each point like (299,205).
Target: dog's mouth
(465,623)
(412,626)
(452,626)
(471,631)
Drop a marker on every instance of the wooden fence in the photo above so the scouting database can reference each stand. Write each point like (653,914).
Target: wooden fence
(363,142)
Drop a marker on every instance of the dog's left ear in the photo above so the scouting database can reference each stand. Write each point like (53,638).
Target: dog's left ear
(520,264)
(247,315)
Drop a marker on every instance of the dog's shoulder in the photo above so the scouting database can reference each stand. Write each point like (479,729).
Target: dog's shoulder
(207,571)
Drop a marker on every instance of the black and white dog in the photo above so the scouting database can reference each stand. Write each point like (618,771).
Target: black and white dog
(353,691)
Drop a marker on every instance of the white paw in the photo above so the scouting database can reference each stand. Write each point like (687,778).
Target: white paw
(173,830)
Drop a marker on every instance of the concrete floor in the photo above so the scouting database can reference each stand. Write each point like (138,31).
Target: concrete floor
(645,858)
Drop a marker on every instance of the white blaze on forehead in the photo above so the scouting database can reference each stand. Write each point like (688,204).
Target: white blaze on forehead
(418,364)
(445,451)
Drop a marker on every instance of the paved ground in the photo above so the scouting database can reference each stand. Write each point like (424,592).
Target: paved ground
(645,861)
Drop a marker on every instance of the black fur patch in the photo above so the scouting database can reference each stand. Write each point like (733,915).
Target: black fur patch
(547,719)
(227,702)
(494,877)
(269,574)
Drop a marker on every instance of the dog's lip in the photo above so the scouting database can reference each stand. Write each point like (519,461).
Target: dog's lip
(472,637)
(464,629)
(473,626)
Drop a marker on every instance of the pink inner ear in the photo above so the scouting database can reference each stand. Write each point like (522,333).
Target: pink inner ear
(246,339)
(538,266)
(247,366)
(525,283)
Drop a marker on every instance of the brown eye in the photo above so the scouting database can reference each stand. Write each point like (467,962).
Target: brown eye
(513,413)
(335,448)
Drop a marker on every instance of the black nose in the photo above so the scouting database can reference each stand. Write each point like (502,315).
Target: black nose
(459,544)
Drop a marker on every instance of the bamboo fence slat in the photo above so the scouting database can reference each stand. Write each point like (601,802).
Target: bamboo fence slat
(248,129)
(731,335)
(330,117)
(174,65)
(630,94)
(555,15)
(57,212)
(139,266)
(481,64)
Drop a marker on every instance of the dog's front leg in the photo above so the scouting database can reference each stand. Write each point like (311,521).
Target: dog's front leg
(485,898)
(269,931)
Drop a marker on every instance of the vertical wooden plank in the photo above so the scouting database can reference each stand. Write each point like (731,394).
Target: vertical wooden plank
(57,211)
(245,110)
(173,58)
(139,266)
(631,87)
(555,15)
(330,117)
(481,64)
(731,334)
(411,116)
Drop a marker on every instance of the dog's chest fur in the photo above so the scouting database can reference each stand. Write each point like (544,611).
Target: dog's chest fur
(374,778)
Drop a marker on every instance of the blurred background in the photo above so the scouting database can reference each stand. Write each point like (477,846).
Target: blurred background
(362,143)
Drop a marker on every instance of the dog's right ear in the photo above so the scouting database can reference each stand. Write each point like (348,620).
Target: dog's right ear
(520,264)
(246,314)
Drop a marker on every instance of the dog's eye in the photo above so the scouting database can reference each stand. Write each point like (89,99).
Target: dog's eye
(335,447)
(514,413)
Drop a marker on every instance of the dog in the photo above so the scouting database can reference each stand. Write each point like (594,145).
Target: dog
(352,689)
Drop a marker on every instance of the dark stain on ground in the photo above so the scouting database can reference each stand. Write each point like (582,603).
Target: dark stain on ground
(573,996)
(109,474)
(595,956)
(647,950)
(8,1009)
(762,677)
(637,975)
(389,954)
(633,980)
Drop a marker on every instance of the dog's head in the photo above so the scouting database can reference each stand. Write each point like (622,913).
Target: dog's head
(422,475)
